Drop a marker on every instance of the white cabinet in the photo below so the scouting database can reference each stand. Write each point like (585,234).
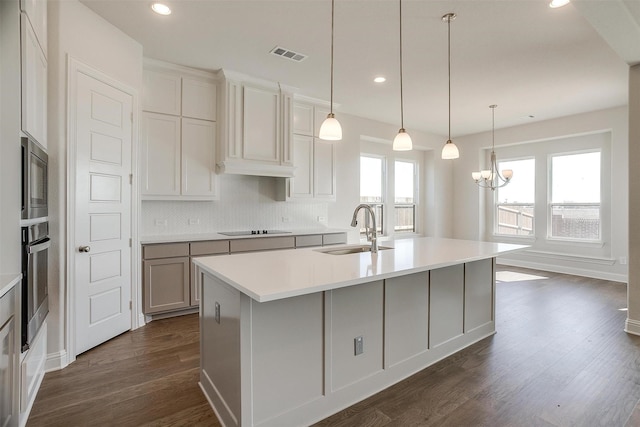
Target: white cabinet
(34,83)
(313,158)
(8,359)
(178,158)
(178,134)
(256,134)
(36,11)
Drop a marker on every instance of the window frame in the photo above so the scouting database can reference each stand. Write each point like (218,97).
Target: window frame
(416,192)
(551,205)
(497,204)
(380,221)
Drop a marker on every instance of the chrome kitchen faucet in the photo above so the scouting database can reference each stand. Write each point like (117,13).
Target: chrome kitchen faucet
(371,232)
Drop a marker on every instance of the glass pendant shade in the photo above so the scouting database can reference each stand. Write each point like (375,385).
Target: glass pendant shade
(330,129)
(402,141)
(476,176)
(450,151)
(507,174)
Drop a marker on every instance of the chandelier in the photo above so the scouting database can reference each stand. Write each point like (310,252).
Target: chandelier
(492,178)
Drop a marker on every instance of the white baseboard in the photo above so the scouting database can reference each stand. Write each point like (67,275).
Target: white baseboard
(595,274)
(56,361)
(632,326)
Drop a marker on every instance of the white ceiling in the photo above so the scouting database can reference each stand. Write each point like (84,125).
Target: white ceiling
(520,54)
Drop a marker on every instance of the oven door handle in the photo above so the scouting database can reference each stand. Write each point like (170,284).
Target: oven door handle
(31,249)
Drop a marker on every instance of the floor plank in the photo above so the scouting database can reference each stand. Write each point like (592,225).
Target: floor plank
(560,358)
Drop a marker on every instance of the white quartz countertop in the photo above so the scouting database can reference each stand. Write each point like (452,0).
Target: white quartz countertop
(8,281)
(175,238)
(269,276)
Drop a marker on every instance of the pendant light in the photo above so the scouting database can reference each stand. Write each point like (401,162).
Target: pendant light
(491,178)
(331,129)
(402,141)
(449,151)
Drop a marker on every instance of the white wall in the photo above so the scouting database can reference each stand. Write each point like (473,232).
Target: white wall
(472,222)
(76,31)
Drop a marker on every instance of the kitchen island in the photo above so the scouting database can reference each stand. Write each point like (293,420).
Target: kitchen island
(291,337)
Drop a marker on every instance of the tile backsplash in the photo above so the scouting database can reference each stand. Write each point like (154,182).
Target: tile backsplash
(246,202)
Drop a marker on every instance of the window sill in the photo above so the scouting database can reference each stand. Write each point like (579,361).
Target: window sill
(513,239)
(574,242)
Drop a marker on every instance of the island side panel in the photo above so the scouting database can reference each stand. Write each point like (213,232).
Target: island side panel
(446,304)
(356,311)
(287,338)
(406,317)
(220,358)
(479,283)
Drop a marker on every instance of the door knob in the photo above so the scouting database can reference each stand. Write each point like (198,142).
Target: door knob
(84,249)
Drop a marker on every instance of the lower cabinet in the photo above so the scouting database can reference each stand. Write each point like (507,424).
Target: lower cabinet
(166,284)
(169,281)
(166,277)
(8,361)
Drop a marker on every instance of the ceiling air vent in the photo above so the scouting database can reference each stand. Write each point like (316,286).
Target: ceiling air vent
(289,54)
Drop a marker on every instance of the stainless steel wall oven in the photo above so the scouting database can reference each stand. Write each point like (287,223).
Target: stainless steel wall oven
(35,294)
(34,180)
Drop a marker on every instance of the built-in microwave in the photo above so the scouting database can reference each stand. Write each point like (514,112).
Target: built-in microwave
(34,180)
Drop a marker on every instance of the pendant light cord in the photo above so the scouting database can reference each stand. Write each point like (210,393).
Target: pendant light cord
(401,96)
(332,14)
(449,68)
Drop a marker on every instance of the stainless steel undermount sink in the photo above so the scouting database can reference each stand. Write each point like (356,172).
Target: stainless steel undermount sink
(345,250)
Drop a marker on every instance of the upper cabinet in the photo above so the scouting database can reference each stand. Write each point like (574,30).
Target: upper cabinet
(34,69)
(36,11)
(255,138)
(314,159)
(178,133)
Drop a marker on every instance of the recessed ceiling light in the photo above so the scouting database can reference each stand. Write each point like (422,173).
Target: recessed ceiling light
(161,9)
(380,79)
(558,3)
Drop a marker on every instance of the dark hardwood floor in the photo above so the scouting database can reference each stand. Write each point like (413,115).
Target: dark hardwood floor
(560,358)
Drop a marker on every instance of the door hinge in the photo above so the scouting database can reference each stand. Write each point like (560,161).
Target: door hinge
(130,305)
(130,242)
(130,178)
(132,117)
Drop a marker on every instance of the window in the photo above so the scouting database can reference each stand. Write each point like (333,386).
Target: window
(405,196)
(372,190)
(575,196)
(515,201)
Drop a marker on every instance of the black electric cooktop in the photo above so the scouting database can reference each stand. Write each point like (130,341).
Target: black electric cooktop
(252,232)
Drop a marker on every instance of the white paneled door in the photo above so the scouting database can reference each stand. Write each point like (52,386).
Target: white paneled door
(102,212)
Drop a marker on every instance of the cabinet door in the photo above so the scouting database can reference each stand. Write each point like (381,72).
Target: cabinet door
(287,129)
(261,124)
(302,183)
(303,119)
(198,99)
(324,182)
(166,284)
(36,11)
(198,158)
(161,92)
(160,155)
(34,84)
(8,360)
(8,373)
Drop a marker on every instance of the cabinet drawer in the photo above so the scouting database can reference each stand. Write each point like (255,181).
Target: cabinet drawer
(305,241)
(210,248)
(334,239)
(165,250)
(262,244)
